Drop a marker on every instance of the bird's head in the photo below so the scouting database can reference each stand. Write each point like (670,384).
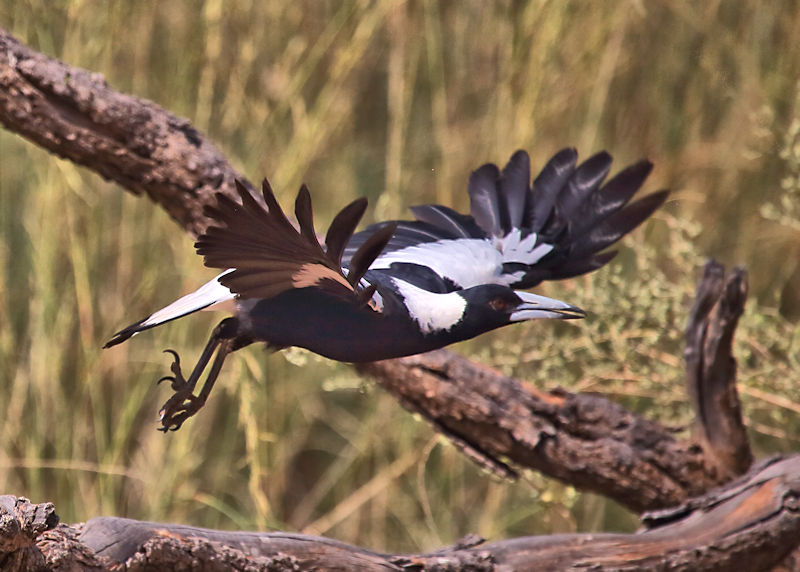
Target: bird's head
(464,314)
(491,306)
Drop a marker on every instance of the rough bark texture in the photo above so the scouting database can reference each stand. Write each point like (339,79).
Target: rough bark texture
(711,371)
(147,150)
(584,440)
(749,524)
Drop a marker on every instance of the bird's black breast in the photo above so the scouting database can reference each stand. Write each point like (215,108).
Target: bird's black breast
(332,327)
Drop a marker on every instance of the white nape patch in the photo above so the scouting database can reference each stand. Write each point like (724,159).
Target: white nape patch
(466,261)
(208,294)
(431,311)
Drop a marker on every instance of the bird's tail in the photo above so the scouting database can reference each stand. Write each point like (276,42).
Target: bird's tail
(208,295)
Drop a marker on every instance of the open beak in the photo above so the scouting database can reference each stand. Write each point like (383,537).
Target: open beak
(535,306)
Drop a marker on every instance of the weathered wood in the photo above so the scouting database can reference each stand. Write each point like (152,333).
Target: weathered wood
(711,371)
(74,114)
(582,439)
(749,524)
(20,524)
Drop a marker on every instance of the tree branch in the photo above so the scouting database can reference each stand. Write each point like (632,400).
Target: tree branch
(147,150)
(711,370)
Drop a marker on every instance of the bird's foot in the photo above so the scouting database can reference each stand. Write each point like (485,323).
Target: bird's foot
(178,409)
(183,403)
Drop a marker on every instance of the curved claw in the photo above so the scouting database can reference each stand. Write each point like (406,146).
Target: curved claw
(172,427)
(178,409)
(177,379)
(174,354)
(165,378)
(172,424)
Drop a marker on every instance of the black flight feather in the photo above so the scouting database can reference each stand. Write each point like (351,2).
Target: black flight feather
(514,188)
(367,253)
(342,228)
(613,195)
(305,216)
(546,187)
(584,181)
(484,204)
(618,224)
(444,219)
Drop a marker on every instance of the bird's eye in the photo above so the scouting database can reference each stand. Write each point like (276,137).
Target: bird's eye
(498,304)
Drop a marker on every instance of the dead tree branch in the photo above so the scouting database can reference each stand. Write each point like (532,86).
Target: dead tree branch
(711,371)
(147,150)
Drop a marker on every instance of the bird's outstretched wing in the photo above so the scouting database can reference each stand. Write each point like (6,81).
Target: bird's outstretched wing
(264,255)
(268,256)
(517,233)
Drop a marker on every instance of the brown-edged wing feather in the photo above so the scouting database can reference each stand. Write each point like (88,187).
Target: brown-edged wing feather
(305,216)
(269,256)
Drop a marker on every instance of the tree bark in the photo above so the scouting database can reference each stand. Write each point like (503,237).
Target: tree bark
(582,439)
(147,150)
(711,371)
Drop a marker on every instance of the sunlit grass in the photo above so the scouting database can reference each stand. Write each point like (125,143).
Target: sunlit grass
(396,101)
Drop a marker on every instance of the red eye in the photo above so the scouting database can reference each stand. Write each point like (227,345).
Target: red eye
(498,304)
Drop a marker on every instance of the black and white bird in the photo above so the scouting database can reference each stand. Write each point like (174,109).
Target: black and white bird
(401,287)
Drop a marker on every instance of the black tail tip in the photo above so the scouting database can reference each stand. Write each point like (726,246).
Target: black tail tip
(117,339)
(125,334)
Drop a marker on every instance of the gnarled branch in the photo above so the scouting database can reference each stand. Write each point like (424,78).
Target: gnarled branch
(76,115)
(711,370)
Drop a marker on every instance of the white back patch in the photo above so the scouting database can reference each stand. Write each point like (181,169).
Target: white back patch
(431,311)
(471,261)
(466,261)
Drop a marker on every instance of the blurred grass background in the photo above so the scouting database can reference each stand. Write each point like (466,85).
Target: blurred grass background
(396,101)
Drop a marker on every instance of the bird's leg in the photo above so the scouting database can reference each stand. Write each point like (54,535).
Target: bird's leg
(183,404)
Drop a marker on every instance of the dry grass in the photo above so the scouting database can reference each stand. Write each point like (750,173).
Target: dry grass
(396,101)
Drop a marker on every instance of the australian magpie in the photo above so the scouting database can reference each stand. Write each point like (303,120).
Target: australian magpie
(401,287)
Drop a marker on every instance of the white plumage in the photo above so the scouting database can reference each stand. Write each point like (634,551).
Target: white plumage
(209,294)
